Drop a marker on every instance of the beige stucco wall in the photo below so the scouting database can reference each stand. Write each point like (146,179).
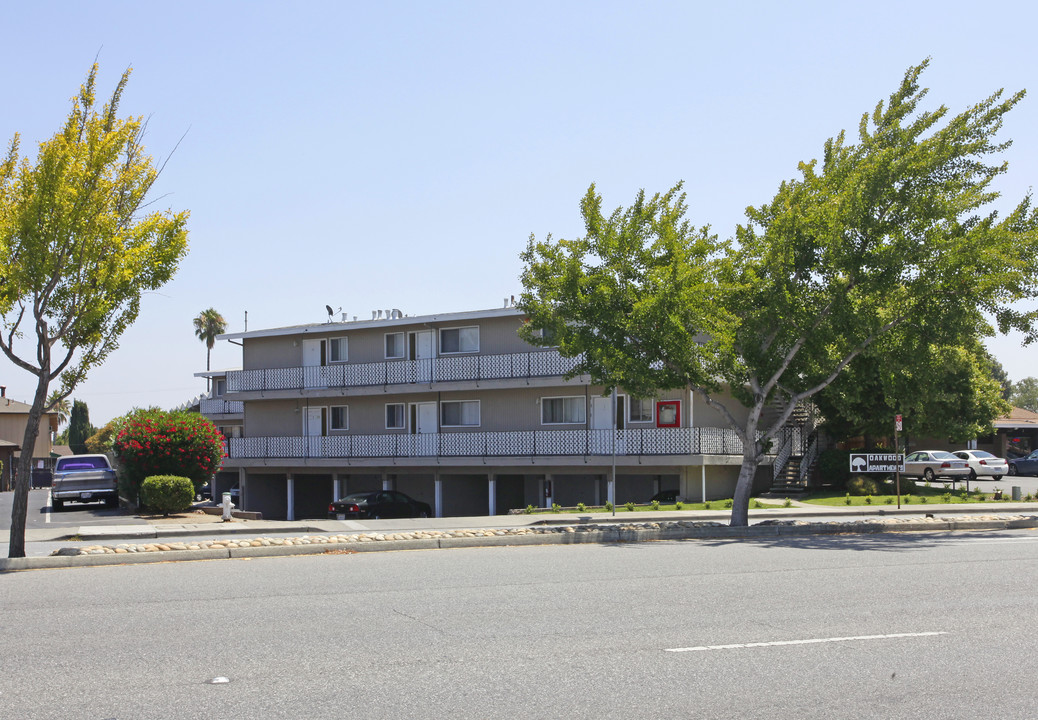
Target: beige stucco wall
(12,429)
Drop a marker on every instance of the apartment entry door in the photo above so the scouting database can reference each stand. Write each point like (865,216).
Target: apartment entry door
(421,349)
(314,424)
(424,428)
(602,420)
(315,373)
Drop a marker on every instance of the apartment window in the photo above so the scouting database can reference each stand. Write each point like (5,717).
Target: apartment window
(394,416)
(569,410)
(219,387)
(642,409)
(338,349)
(394,345)
(459,340)
(340,417)
(459,413)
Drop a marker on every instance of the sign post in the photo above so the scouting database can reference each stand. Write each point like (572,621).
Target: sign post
(880,463)
(897,449)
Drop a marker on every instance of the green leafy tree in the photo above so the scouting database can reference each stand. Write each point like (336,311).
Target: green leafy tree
(208,325)
(939,390)
(101,441)
(156,442)
(892,230)
(79,428)
(79,250)
(1025,394)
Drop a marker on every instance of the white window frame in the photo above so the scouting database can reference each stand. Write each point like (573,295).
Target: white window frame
(331,417)
(403,345)
(444,403)
(345,346)
(403,416)
(644,403)
(578,401)
(461,349)
(219,387)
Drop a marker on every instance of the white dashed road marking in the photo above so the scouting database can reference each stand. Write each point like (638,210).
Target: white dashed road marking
(811,641)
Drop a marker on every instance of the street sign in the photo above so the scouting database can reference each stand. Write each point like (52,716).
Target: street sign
(897,423)
(877,462)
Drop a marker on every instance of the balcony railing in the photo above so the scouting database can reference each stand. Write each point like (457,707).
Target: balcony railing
(222,407)
(531,443)
(542,363)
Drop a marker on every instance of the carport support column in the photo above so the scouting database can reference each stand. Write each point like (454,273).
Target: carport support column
(336,486)
(491,494)
(702,469)
(611,489)
(241,488)
(386,482)
(437,494)
(290,488)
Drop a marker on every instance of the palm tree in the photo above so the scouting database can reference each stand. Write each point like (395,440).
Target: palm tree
(208,325)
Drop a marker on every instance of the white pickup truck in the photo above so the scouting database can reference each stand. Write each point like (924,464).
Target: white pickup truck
(84,478)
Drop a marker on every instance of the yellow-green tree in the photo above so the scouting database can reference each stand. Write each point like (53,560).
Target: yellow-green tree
(79,252)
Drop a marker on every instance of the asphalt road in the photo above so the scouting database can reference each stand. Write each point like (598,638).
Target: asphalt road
(40,515)
(888,626)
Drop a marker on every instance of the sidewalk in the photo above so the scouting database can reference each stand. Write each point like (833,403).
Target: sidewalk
(165,541)
(798,510)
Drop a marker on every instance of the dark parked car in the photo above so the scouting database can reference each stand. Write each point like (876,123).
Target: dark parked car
(665,497)
(1024,465)
(378,504)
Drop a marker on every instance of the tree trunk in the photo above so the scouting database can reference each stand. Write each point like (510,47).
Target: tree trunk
(744,486)
(743,489)
(20,504)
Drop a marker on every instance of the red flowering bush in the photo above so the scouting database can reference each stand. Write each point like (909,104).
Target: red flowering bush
(155,442)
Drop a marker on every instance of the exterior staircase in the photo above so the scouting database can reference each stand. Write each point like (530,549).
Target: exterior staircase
(797,454)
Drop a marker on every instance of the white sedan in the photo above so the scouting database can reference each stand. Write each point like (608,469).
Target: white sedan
(930,464)
(983,464)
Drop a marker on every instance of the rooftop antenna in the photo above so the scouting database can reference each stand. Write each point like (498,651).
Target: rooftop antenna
(330,311)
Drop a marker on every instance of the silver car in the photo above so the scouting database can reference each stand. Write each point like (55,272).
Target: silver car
(983,464)
(930,464)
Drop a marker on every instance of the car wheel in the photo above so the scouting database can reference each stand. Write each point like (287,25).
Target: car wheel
(423,514)
(928,474)
(57,505)
(1012,469)
(972,476)
(376,517)
(112,502)
(996,477)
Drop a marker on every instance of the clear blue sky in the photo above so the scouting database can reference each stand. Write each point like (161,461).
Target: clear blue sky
(399,154)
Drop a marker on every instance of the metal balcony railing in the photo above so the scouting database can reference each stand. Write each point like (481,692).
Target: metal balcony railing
(542,363)
(221,407)
(524,443)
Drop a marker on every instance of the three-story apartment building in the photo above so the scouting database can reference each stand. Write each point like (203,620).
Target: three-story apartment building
(455,410)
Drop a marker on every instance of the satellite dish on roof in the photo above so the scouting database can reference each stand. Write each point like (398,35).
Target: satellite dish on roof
(330,311)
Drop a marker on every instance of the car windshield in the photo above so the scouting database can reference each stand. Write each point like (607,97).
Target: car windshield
(941,455)
(82,463)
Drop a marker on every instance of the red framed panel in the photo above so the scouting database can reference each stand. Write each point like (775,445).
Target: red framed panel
(668,413)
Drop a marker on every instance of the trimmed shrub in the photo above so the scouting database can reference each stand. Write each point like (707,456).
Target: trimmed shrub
(908,486)
(167,493)
(834,467)
(863,485)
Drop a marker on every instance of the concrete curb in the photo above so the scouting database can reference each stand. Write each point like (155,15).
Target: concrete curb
(577,534)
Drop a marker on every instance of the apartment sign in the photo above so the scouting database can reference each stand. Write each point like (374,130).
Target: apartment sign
(877,462)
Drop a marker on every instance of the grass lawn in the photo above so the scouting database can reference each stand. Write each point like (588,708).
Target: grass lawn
(755,504)
(920,496)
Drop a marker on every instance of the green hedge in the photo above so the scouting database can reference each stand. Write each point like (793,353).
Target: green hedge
(167,493)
